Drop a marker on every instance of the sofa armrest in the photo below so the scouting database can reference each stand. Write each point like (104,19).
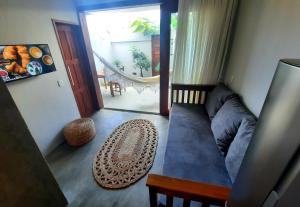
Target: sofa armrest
(188,190)
(190,93)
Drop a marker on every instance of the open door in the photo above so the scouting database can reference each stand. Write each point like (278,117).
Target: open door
(166,8)
(72,49)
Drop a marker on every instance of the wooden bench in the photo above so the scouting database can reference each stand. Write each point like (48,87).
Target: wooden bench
(190,93)
(207,194)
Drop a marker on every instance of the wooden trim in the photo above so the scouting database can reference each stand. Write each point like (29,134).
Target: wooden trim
(186,203)
(58,21)
(90,57)
(172,5)
(188,190)
(167,7)
(93,86)
(54,23)
(165,31)
(190,93)
(133,111)
(118,5)
(202,87)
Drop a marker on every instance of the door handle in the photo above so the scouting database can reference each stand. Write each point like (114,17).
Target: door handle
(72,81)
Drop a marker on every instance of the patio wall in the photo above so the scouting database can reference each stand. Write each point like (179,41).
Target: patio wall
(121,51)
(113,38)
(112,51)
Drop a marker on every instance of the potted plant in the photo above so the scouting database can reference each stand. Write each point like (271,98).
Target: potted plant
(140,60)
(118,64)
(149,29)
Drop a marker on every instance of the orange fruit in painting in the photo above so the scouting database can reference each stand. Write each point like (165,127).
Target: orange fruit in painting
(35,52)
(47,59)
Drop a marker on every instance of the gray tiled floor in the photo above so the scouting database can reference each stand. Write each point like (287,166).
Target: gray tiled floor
(130,99)
(72,167)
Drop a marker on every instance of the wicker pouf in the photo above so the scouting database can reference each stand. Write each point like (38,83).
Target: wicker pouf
(80,131)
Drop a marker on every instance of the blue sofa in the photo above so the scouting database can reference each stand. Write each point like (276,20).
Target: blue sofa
(208,139)
(191,151)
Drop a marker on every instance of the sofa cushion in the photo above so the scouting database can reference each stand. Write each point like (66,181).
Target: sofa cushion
(216,98)
(191,152)
(227,121)
(239,146)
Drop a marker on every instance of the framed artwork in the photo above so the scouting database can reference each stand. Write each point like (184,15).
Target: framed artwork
(24,61)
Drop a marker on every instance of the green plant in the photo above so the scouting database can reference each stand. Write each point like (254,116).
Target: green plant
(157,67)
(118,64)
(145,26)
(140,60)
(174,21)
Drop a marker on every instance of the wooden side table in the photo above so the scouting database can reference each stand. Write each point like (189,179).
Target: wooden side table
(115,87)
(102,75)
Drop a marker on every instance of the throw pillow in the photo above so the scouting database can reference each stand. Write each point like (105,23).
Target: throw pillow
(216,98)
(226,122)
(238,147)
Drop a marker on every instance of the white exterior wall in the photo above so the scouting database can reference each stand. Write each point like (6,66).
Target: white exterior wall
(112,38)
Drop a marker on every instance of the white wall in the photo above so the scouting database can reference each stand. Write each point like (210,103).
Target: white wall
(267,30)
(100,41)
(122,52)
(45,107)
(113,38)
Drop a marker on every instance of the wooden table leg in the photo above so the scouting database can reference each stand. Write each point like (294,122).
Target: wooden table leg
(120,89)
(111,89)
(153,197)
(105,84)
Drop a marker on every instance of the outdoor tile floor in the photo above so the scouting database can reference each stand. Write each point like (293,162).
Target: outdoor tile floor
(147,101)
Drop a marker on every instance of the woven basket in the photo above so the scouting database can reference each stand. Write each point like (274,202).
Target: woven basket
(80,131)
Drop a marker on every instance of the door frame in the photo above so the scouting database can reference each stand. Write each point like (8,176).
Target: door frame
(96,94)
(166,7)
(90,59)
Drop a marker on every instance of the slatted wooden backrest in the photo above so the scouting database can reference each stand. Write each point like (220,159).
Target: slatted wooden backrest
(189,93)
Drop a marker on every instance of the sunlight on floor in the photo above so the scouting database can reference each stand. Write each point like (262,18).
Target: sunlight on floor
(130,99)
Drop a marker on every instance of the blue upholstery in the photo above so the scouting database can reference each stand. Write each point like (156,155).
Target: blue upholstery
(239,146)
(191,151)
(226,122)
(216,98)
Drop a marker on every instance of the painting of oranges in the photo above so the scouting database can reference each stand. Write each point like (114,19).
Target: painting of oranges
(23,61)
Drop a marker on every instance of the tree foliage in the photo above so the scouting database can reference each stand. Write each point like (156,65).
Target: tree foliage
(140,60)
(145,26)
(174,21)
(119,65)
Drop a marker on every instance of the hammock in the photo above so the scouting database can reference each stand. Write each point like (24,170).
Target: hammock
(127,80)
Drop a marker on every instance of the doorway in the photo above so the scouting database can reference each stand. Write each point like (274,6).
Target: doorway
(72,48)
(126,49)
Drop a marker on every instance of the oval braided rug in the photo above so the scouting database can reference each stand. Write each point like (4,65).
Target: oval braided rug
(127,154)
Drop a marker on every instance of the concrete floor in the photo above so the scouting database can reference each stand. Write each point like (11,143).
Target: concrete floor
(72,167)
(130,99)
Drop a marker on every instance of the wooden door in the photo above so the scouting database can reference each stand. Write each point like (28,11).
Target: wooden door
(72,50)
(155,44)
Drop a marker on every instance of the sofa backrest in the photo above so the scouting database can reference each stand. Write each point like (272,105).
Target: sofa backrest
(232,124)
